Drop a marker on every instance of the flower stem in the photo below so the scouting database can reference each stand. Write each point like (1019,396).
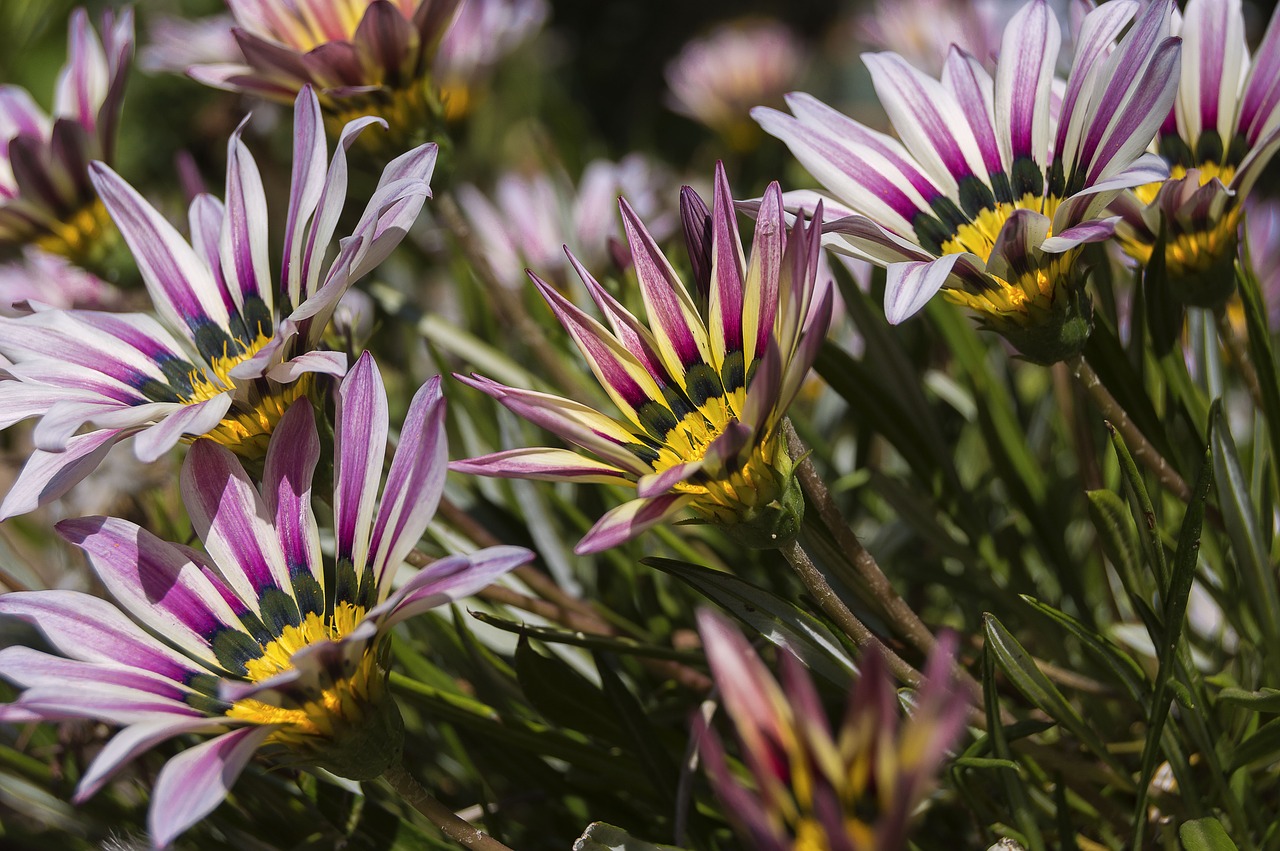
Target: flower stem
(896,611)
(457,829)
(835,609)
(1240,354)
(1142,450)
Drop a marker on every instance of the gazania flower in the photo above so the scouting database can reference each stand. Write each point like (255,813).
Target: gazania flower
(51,279)
(701,391)
(483,32)
(257,639)
(923,31)
(46,198)
(533,217)
(228,353)
(363,57)
(994,189)
(1222,132)
(716,80)
(852,790)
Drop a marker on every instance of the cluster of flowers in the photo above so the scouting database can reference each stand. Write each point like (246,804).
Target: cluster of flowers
(1004,189)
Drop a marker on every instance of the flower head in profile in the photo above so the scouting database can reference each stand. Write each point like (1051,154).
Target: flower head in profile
(717,79)
(46,198)
(531,218)
(363,57)
(701,390)
(996,184)
(228,352)
(1223,130)
(257,638)
(854,789)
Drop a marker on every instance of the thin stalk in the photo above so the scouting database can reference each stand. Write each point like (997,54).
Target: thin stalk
(457,829)
(848,622)
(1240,354)
(905,622)
(1139,446)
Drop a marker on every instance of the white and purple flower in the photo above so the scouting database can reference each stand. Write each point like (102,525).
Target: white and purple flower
(1219,136)
(701,391)
(258,639)
(46,198)
(228,352)
(997,183)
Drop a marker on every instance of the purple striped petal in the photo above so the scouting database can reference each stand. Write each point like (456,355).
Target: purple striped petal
(1024,76)
(572,421)
(243,248)
(291,461)
(628,520)
(544,464)
(415,483)
(360,443)
(195,781)
(447,580)
(765,274)
(156,583)
(48,475)
(232,522)
(909,286)
(1098,230)
(90,629)
(194,420)
(633,336)
(317,363)
(929,120)
(974,91)
(1097,35)
(673,318)
(181,287)
(1214,56)
(1260,103)
(100,701)
(305,187)
(133,741)
(1113,148)
(728,265)
(27,668)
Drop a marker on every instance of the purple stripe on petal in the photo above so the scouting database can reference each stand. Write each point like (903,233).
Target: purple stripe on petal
(1095,40)
(243,241)
(770,247)
(106,702)
(1028,53)
(195,781)
(727,264)
(628,520)
(635,338)
(305,187)
(1262,90)
(415,483)
(973,88)
(153,581)
(360,442)
(666,301)
(91,629)
(292,456)
(29,668)
(232,522)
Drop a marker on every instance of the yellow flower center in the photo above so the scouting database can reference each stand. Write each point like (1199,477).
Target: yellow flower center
(216,379)
(303,30)
(726,496)
(85,236)
(341,702)
(979,236)
(1188,253)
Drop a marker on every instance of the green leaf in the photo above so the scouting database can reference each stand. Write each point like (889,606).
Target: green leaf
(1144,512)
(1205,834)
(1241,521)
(1262,747)
(1116,532)
(1021,670)
(605,837)
(563,696)
(1264,362)
(1262,700)
(1164,310)
(1019,800)
(1126,671)
(778,620)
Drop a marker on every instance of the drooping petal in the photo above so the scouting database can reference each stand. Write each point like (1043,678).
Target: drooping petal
(195,420)
(542,463)
(48,475)
(195,781)
(910,285)
(449,579)
(628,520)
(133,741)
